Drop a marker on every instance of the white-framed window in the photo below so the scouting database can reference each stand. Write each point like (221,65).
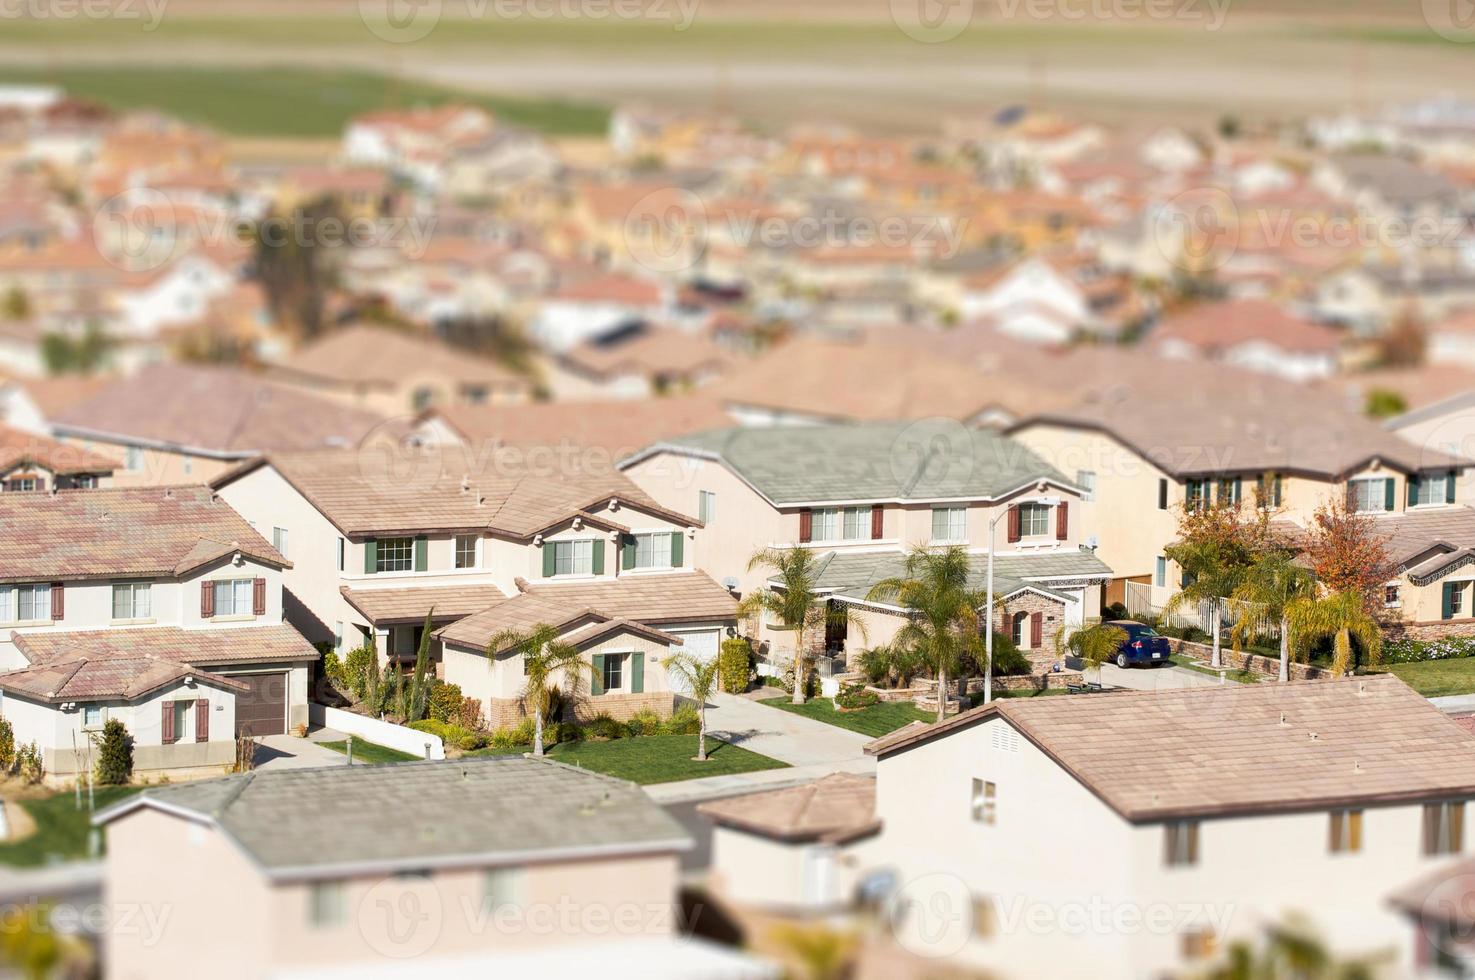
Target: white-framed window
(395,555)
(826,524)
(841,524)
(132,600)
(573,558)
(949,524)
(1160,572)
(85,482)
(984,802)
(342,554)
(1430,489)
(857,523)
(706,506)
(279,540)
(327,904)
(338,635)
(182,730)
(1344,832)
(233,597)
(1391,597)
(1444,828)
(501,888)
(653,550)
(1368,495)
(1034,520)
(132,459)
(614,672)
(93,716)
(1180,843)
(466,550)
(21,484)
(33,602)
(1086,480)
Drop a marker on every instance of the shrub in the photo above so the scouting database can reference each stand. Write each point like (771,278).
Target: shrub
(1115,611)
(683,721)
(451,734)
(735,665)
(28,764)
(507,738)
(445,702)
(1009,660)
(7,745)
(468,715)
(1407,651)
(569,731)
(875,664)
(644,722)
(115,754)
(555,704)
(356,669)
(523,732)
(853,696)
(602,726)
(333,670)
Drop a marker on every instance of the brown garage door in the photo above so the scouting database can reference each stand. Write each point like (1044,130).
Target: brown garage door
(262,710)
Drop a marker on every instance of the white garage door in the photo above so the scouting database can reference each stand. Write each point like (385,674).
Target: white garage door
(702,644)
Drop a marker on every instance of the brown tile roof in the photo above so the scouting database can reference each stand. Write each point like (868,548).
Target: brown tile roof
(1249,748)
(657,599)
(388,606)
(19,448)
(838,808)
(1445,896)
(1216,326)
(55,395)
(445,488)
(221,411)
(369,355)
(1427,540)
(652,353)
(169,644)
(138,531)
(112,678)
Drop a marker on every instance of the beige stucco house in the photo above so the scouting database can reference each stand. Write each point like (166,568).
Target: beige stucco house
(31,463)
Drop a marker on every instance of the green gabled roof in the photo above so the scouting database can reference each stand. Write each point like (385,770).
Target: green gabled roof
(854,575)
(873,461)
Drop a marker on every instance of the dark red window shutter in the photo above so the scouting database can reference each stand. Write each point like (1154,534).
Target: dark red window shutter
(1036,629)
(1062,521)
(207,600)
(1014,529)
(259,599)
(58,601)
(878,522)
(806,525)
(168,737)
(202,720)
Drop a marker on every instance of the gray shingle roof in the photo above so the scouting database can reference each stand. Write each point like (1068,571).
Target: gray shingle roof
(853,575)
(932,459)
(341,819)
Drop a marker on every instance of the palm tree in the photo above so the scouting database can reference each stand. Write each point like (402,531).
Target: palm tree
(543,657)
(1341,616)
(795,603)
(1269,588)
(699,677)
(1095,643)
(942,623)
(1211,584)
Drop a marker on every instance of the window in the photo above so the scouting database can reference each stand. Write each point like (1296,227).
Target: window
(1160,573)
(342,554)
(1086,480)
(1444,828)
(1180,843)
(279,540)
(1428,490)
(1268,490)
(233,597)
(985,917)
(857,523)
(465,551)
(93,716)
(1390,596)
(653,550)
(21,484)
(614,672)
(1344,832)
(706,506)
(1227,492)
(327,904)
(338,635)
(949,524)
(133,459)
(1195,495)
(422,398)
(1162,494)
(1199,944)
(86,482)
(1017,627)
(826,524)
(985,801)
(1034,520)
(1367,495)
(34,602)
(501,887)
(132,600)
(1456,601)
(573,557)
(395,555)
(181,721)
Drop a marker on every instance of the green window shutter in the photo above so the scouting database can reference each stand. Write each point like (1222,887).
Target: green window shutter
(637,673)
(1449,486)
(548,565)
(371,556)
(677,544)
(599,556)
(1413,489)
(1238,489)
(627,552)
(1388,498)
(422,551)
(596,683)
(1276,492)
(1447,607)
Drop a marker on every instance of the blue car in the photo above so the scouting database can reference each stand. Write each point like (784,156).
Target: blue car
(1143,647)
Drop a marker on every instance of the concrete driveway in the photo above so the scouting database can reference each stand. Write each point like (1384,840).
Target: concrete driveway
(1156,678)
(780,734)
(290,752)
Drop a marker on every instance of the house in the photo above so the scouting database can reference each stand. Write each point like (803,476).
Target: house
(1312,798)
(160,607)
(638,364)
(863,494)
(1148,451)
(29,462)
(470,875)
(1254,334)
(1437,906)
(1052,300)
(1432,551)
(381,537)
(414,144)
(391,372)
(580,311)
(1451,340)
(178,423)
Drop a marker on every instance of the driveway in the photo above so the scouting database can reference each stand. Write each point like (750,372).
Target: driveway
(1156,678)
(290,752)
(780,734)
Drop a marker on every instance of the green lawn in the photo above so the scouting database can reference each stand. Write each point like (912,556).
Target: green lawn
(651,759)
(371,751)
(1048,692)
(62,830)
(877,720)
(1436,678)
(291,102)
(1237,676)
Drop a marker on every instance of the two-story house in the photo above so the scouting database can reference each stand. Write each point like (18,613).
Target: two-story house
(1431,589)
(863,495)
(30,462)
(381,538)
(1316,799)
(160,607)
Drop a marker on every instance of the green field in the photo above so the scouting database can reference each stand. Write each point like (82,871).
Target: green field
(298,103)
(62,830)
(1436,678)
(649,759)
(371,752)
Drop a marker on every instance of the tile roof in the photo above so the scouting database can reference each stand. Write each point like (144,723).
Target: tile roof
(1242,748)
(105,679)
(392,605)
(170,644)
(836,809)
(656,599)
(304,823)
(1217,326)
(1427,541)
(138,531)
(932,459)
(385,490)
(18,448)
(854,574)
(651,353)
(362,354)
(225,412)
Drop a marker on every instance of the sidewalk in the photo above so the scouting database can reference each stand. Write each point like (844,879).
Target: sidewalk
(780,734)
(711,787)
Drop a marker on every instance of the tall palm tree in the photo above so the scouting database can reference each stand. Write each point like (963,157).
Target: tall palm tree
(1341,616)
(544,657)
(1095,643)
(796,604)
(942,625)
(1211,584)
(1269,588)
(699,677)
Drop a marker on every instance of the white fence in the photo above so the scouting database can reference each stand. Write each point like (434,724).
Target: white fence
(391,736)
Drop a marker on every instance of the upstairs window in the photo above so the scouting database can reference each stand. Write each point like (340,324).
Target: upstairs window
(1086,480)
(1180,843)
(1428,489)
(327,905)
(395,555)
(949,524)
(1034,520)
(465,551)
(706,506)
(234,597)
(985,802)
(279,540)
(1344,832)
(653,550)
(826,524)
(132,600)
(1369,496)
(33,603)
(573,557)
(857,523)
(1444,828)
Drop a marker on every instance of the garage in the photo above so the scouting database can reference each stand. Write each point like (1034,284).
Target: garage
(702,644)
(262,708)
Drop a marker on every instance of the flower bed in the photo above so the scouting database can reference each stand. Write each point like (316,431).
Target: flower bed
(1409,651)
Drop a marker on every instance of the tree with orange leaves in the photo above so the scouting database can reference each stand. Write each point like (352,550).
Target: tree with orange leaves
(1347,554)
